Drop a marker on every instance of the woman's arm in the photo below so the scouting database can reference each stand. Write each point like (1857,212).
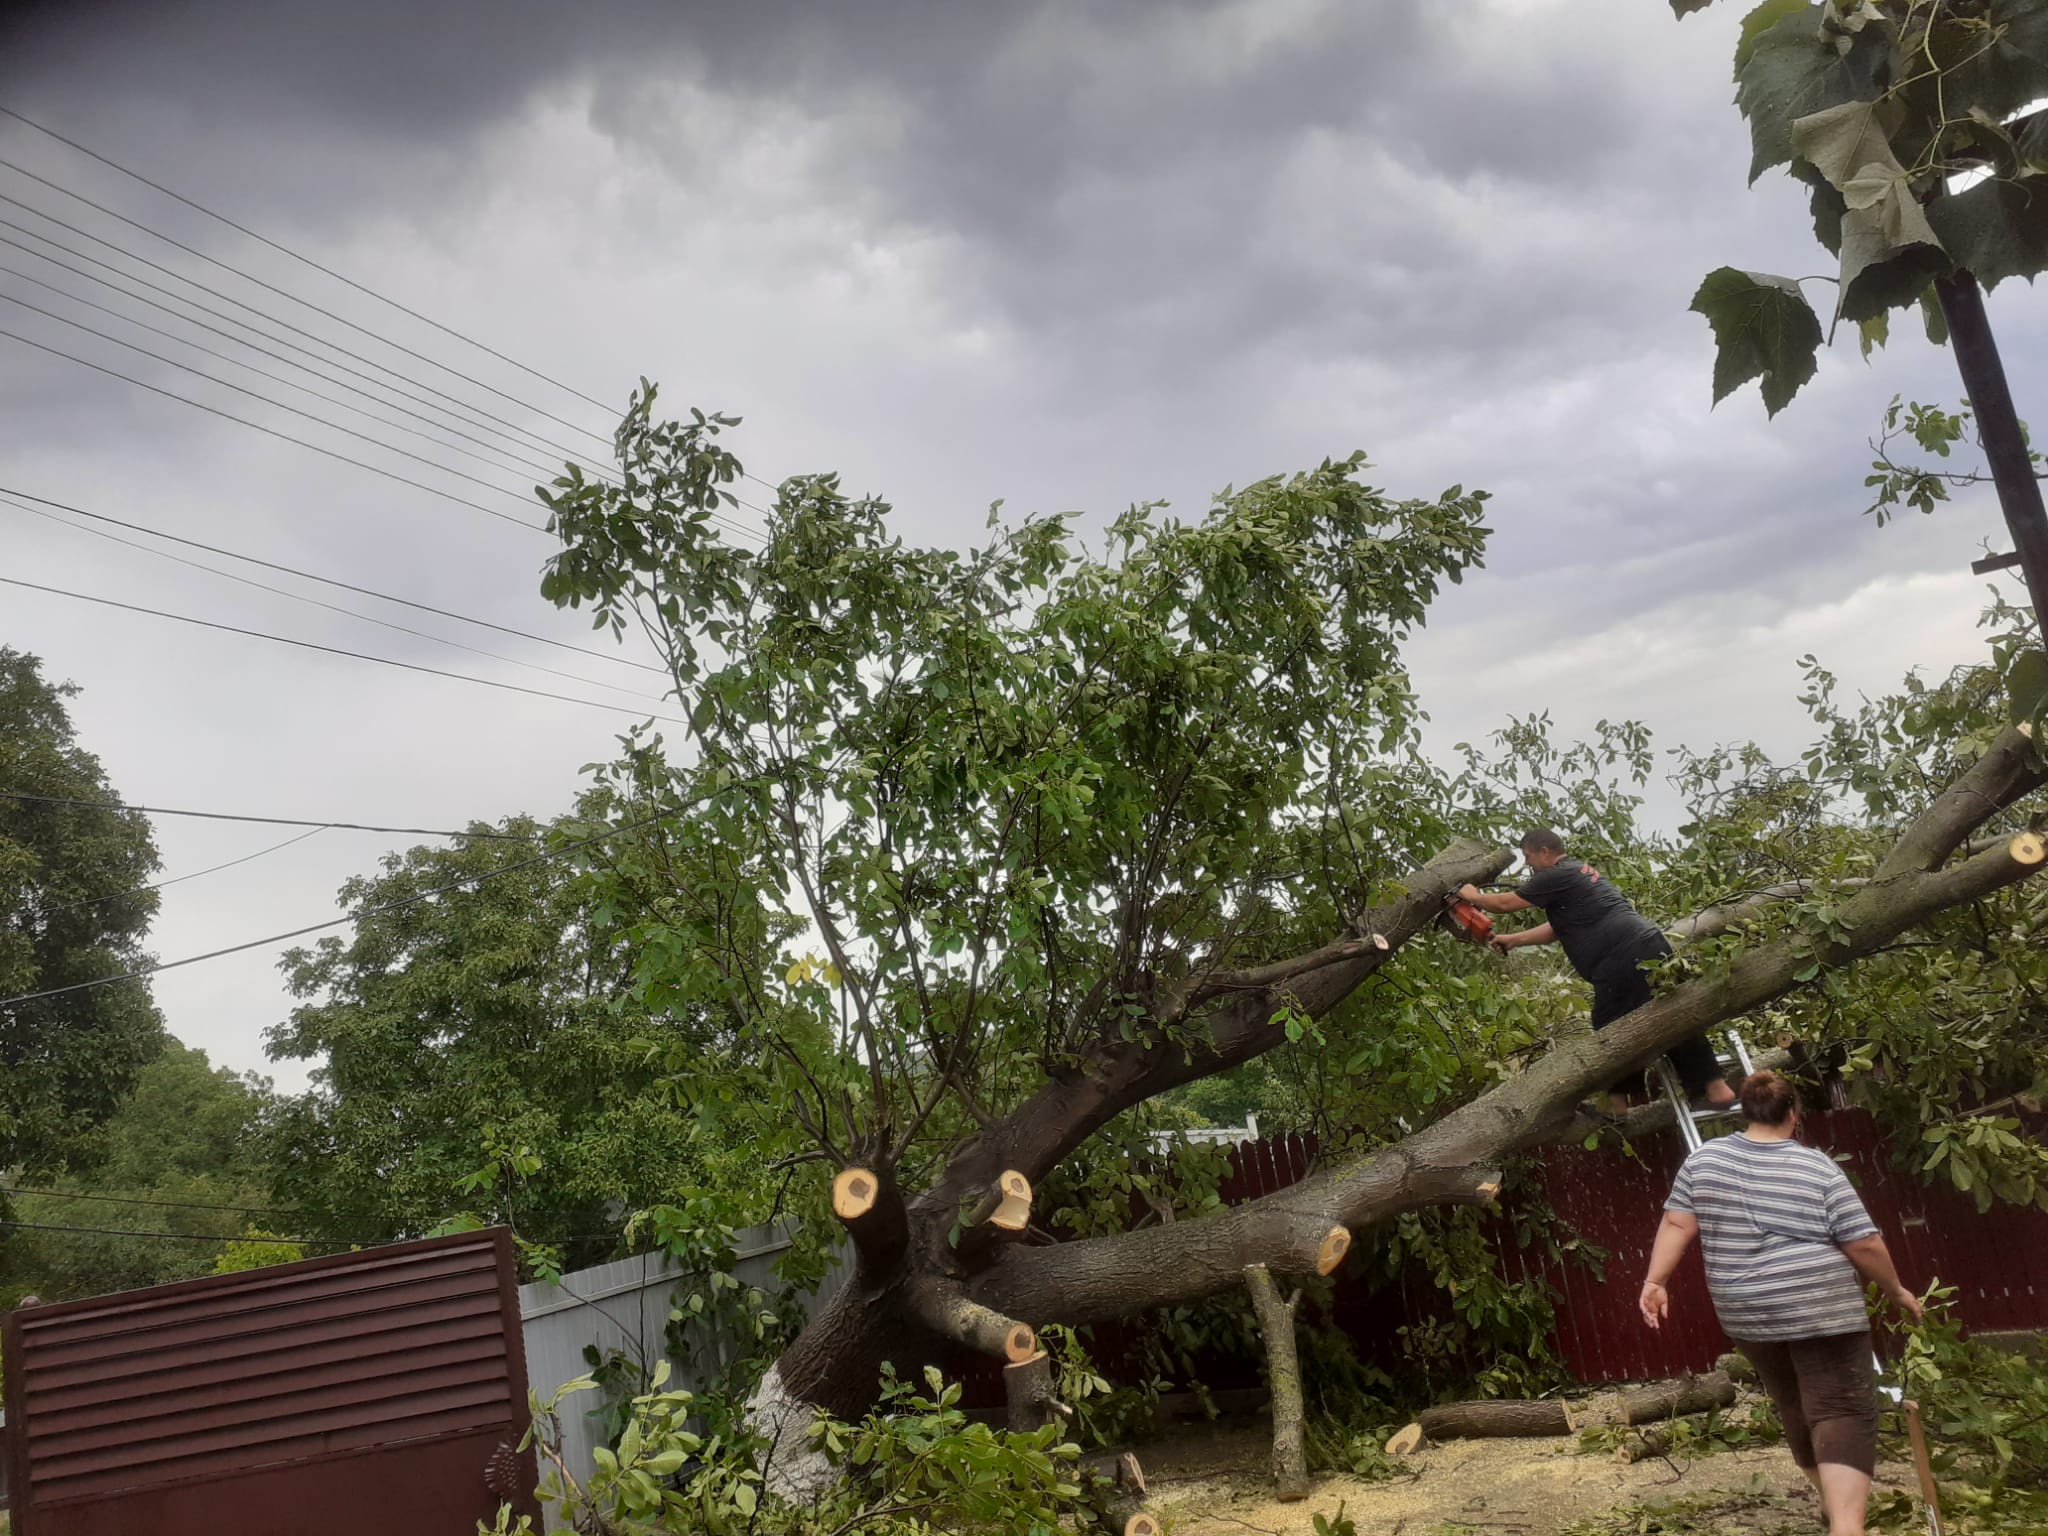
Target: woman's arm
(1873,1262)
(1674,1235)
(1542,933)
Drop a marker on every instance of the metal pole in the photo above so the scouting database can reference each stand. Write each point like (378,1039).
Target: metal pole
(1998,426)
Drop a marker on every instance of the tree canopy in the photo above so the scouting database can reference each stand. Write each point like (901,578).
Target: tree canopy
(73,908)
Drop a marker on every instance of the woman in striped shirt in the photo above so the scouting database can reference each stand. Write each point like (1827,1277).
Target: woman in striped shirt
(1785,1240)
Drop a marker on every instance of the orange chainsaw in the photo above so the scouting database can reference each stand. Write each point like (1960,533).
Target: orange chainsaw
(1466,920)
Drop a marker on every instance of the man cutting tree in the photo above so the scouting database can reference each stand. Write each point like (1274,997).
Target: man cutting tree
(1607,941)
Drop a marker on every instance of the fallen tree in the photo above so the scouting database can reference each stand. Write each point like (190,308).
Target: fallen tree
(1075,834)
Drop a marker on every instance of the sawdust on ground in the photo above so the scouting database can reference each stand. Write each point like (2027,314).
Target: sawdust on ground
(1214,1483)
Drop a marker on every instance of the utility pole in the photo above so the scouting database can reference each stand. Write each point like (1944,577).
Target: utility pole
(1998,428)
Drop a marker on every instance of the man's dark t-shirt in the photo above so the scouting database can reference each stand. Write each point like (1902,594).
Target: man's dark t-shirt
(1590,917)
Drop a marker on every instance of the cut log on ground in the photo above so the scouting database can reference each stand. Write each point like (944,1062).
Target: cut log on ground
(1675,1399)
(1283,1372)
(1407,1440)
(1548,1416)
(1118,1502)
(1510,1417)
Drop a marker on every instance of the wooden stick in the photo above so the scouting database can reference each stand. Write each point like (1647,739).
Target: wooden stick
(1922,1465)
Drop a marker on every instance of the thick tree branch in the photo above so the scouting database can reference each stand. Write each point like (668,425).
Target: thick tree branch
(1453,1159)
(1044,1129)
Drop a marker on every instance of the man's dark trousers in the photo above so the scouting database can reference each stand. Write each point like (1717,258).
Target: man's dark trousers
(1620,987)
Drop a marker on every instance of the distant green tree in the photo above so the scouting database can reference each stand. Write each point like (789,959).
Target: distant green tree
(481,1050)
(70,910)
(188,1135)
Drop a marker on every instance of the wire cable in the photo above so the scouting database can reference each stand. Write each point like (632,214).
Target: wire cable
(171,394)
(322,421)
(400,905)
(330,581)
(319,825)
(301,597)
(333,650)
(570,454)
(296,256)
(507,462)
(175,1237)
(250,277)
(279,320)
(157,885)
(114,1197)
(513,436)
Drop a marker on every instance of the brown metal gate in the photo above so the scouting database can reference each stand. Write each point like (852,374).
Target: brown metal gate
(370,1391)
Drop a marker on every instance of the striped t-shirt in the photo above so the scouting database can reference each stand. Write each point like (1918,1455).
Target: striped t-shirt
(1772,1217)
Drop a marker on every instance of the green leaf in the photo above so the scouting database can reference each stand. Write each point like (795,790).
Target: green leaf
(1997,229)
(1791,71)
(1760,20)
(1878,272)
(1763,329)
(1874,332)
(1687,7)
(2028,684)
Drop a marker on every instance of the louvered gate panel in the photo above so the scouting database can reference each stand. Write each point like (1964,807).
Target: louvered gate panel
(366,1391)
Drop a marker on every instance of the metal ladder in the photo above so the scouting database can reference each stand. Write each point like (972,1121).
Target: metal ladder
(1682,1111)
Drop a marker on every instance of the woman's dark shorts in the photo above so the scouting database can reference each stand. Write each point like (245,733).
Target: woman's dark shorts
(1826,1392)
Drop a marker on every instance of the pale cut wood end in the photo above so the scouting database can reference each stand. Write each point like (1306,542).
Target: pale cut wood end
(2028,848)
(854,1192)
(1406,1441)
(1336,1243)
(1020,1343)
(1141,1524)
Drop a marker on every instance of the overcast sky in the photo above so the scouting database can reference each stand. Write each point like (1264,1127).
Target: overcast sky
(1063,255)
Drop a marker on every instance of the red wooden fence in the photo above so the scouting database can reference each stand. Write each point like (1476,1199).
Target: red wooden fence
(1998,1261)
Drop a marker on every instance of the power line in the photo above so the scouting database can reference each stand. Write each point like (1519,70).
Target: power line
(505,431)
(272,565)
(94,901)
(393,906)
(114,1198)
(301,597)
(228,298)
(319,825)
(250,277)
(332,426)
(175,1237)
(332,650)
(296,256)
(171,394)
(504,463)
(597,472)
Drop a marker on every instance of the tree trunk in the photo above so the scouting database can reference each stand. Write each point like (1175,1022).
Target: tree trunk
(1027,1391)
(1283,1371)
(1998,426)
(912,1293)
(1660,1400)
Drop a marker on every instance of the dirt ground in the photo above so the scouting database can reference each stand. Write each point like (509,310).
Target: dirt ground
(1213,1483)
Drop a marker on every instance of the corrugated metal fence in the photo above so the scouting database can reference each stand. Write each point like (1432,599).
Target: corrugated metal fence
(372,1391)
(624,1306)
